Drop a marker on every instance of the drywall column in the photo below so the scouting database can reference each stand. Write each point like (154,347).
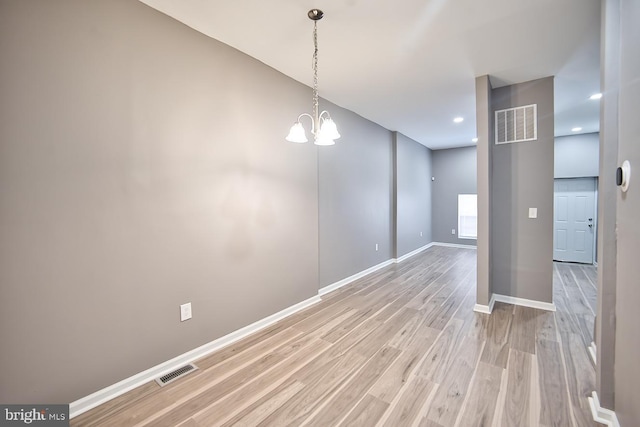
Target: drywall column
(484,129)
(627,374)
(605,319)
(522,256)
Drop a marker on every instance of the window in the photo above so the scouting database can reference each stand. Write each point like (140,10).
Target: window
(467,216)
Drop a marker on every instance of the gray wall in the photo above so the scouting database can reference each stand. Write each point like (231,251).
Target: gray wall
(143,165)
(577,156)
(627,354)
(355,198)
(523,178)
(413,169)
(455,172)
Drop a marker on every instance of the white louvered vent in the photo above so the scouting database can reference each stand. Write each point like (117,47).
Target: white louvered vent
(174,375)
(517,124)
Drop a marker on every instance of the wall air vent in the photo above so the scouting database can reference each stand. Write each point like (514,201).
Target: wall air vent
(174,375)
(517,124)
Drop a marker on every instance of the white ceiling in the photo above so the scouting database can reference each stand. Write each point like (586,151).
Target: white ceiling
(410,65)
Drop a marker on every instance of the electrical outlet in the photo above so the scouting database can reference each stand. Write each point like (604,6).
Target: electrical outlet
(185,312)
(453,231)
(421,234)
(376,246)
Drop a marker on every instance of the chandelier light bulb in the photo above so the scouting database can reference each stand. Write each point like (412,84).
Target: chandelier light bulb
(297,133)
(323,140)
(329,129)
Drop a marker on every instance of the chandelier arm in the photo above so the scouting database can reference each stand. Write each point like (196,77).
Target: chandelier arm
(313,122)
(323,113)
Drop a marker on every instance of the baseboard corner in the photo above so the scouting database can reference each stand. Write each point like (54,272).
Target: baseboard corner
(600,414)
(412,253)
(479,308)
(454,245)
(344,282)
(486,309)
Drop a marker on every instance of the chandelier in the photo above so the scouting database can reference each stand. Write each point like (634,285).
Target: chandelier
(323,129)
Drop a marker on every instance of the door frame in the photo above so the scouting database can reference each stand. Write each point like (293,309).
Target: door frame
(595,226)
(594,251)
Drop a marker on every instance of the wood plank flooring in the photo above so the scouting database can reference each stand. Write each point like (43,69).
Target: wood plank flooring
(400,347)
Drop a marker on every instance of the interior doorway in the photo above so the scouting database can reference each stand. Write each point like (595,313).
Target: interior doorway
(575,221)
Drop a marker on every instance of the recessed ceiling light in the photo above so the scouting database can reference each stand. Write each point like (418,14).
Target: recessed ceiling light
(458,120)
(474,140)
(596,96)
(576,129)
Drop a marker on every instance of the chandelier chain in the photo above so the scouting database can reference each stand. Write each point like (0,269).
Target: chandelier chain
(315,73)
(323,128)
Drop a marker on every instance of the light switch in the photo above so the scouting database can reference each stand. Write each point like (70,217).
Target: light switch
(533,212)
(185,312)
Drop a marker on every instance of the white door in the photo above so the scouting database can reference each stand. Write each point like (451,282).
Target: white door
(574,210)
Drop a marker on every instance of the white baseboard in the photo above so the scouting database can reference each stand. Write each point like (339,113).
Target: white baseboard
(101,396)
(549,306)
(479,308)
(600,414)
(353,278)
(486,309)
(593,352)
(111,392)
(454,245)
(344,282)
(412,253)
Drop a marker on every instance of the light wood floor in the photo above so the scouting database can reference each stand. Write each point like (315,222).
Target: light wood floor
(401,347)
